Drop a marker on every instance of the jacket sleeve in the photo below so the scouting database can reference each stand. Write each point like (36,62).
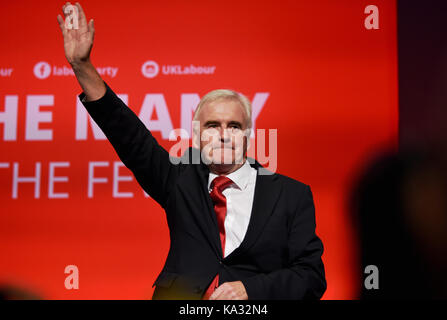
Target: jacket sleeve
(134,144)
(304,278)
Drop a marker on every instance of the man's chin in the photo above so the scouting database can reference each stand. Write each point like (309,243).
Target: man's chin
(223,168)
(223,157)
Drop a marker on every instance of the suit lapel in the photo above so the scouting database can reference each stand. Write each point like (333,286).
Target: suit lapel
(267,191)
(193,187)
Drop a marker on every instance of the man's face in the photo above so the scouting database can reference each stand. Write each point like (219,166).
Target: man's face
(223,125)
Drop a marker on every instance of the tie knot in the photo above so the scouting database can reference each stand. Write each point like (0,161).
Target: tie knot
(221,183)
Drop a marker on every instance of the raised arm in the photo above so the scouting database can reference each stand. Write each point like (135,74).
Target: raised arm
(132,141)
(78,44)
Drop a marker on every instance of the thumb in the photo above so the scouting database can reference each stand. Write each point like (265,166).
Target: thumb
(91,28)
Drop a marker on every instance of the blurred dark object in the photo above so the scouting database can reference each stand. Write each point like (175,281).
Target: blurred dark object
(10,292)
(400,214)
(400,201)
(422,53)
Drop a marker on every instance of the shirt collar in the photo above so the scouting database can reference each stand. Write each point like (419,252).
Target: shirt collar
(240,177)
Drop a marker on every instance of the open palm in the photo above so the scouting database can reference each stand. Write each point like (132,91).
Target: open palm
(77,42)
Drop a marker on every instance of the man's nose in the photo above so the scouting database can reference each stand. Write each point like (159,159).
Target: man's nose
(225,135)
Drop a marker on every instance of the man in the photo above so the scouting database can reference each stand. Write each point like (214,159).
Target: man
(235,231)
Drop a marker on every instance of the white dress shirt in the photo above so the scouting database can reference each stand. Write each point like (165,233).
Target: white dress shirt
(239,204)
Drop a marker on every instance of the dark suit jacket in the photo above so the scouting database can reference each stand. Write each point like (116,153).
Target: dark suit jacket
(280,256)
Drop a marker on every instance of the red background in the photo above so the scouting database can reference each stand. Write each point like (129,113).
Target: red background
(332,88)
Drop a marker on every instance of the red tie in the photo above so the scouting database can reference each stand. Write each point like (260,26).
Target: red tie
(219,184)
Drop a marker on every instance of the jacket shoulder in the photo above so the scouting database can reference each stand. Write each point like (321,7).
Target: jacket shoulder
(290,183)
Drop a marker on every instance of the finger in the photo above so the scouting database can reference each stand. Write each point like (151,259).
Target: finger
(81,15)
(216,293)
(223,296)
(69,10)
(61,22)
(64,7)
(220,293)
(91,28)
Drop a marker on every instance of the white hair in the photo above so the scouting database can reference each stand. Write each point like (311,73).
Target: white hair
(225,94)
